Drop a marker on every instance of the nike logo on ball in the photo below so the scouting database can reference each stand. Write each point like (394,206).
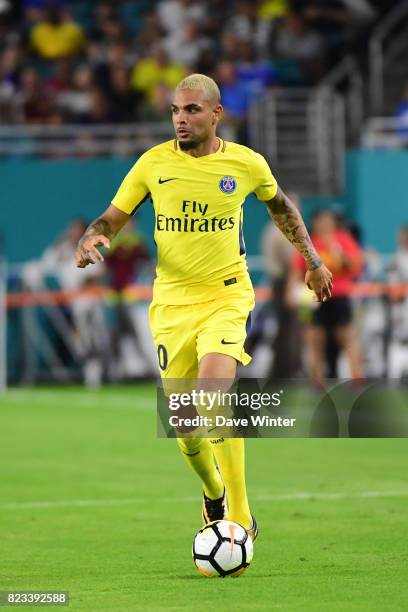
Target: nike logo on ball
(166,180)
(223,341)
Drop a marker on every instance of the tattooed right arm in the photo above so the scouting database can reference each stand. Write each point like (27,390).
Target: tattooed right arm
(99,227)
(99,233)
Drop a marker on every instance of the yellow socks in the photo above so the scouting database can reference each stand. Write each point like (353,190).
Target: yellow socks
(230,456)
(198,453)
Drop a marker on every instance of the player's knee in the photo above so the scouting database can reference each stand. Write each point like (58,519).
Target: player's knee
(215,366)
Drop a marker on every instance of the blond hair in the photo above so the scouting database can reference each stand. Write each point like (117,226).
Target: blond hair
(203,83)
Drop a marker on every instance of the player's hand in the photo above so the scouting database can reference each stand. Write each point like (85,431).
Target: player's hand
(320,281)
(87,252)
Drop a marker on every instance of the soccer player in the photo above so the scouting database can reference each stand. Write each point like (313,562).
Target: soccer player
(202,294)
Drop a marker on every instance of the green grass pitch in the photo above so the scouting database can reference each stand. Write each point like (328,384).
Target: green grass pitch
(94,504)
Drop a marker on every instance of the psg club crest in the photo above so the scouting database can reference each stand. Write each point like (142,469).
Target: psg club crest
(228,184)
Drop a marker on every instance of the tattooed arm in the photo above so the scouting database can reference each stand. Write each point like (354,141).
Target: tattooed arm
(289,220)
(99,233)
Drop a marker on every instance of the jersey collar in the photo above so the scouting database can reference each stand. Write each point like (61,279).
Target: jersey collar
(221,149)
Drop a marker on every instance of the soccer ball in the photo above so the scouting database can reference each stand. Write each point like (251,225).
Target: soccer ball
(222,548)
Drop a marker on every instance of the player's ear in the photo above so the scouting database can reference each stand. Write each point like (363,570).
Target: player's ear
(217,113)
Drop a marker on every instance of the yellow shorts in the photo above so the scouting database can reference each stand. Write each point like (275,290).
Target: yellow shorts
(184,334)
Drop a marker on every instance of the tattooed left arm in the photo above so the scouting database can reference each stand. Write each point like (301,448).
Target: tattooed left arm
(289,220)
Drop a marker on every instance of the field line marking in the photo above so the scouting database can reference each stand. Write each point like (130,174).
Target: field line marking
(86,503)
(92,401)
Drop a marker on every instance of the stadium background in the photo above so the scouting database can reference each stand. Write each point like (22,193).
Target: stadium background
(319,87)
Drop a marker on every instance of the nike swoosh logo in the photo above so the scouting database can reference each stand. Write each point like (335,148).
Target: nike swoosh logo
(223,341)
(161,181)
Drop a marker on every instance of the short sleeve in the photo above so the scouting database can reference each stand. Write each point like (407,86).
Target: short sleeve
(264,184)
(133,191)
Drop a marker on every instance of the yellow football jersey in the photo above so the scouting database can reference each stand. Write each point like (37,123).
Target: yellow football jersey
(198,216)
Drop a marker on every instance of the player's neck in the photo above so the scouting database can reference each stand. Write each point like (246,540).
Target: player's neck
(206,148)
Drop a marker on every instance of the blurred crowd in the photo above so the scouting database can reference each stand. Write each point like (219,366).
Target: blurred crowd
(99,334)
(112,61)
(105,337)
(356,334)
